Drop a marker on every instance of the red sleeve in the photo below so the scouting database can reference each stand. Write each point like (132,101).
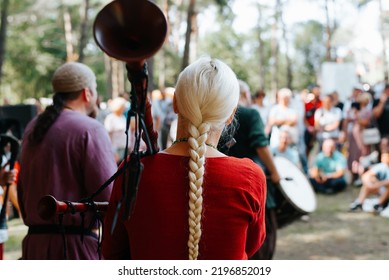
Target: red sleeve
(256,232)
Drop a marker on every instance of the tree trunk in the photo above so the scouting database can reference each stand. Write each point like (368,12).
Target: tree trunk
(3,33)
(176,27)
(385,60)
(329,33)
(150,69)
(189,30)
(108,74)
(195,30)
(117,76)
(275,49)
(83,31)
(261,51)
(289,74)
(70,55)
(162,59)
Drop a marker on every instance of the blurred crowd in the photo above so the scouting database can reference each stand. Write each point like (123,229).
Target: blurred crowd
(334,143)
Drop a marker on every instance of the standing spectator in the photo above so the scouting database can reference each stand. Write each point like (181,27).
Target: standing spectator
(66,154)
(381,111)
(282,114)
(356,147)
(245,98)
(350,101)
(349,108)
(260,106)
(327,120)
(167,116)
(102,110)
(312,103)
(337,103)
(328,172)
(116,124)
(298,105)
(155,96)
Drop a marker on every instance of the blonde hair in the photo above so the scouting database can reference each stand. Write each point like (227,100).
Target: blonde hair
(207,92)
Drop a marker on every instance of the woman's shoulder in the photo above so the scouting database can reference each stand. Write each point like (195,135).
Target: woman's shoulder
(245,175)
(244,166)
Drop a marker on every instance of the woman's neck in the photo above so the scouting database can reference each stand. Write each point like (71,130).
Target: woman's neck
(181,146)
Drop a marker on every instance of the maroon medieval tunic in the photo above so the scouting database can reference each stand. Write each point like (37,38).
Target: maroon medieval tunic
(73,160)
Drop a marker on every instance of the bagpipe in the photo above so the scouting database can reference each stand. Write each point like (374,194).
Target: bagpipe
(9,146)
(131,31)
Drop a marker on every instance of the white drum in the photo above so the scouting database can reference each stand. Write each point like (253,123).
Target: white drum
(297,197)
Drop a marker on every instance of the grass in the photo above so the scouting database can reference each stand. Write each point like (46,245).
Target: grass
(331,233)
(16,232)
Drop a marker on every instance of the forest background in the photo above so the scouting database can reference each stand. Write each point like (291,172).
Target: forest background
(283,43)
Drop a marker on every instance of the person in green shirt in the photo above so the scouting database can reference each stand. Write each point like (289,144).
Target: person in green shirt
(327,174)
(250,141)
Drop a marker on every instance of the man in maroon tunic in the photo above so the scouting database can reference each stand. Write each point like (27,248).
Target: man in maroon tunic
(66,154)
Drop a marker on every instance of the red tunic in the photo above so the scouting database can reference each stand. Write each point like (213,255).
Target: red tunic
(233,223)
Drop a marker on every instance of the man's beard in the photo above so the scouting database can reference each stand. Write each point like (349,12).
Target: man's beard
(93,113)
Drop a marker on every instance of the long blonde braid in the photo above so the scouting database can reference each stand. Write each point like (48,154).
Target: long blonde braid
(207,92)
(196,172)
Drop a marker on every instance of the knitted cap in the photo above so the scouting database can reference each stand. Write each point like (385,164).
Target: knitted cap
(72,76)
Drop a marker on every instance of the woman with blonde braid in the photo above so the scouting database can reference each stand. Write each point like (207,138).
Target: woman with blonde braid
(193,201)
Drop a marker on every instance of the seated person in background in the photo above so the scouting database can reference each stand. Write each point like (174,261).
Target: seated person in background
(285,149)
(365,162)
(375,181)
(328,172)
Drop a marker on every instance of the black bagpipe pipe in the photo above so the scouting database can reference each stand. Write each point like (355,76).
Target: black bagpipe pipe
(131,31)
(13,143)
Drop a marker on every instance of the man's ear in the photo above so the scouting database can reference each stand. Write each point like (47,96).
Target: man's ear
(86,95)
(229,120)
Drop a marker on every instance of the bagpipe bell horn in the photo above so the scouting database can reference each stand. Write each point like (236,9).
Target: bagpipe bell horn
(130,30)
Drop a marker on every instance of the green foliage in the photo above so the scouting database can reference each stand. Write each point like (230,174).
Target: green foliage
(28,60)
(36,46)
(310,50)
(226,45)
(171,67)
